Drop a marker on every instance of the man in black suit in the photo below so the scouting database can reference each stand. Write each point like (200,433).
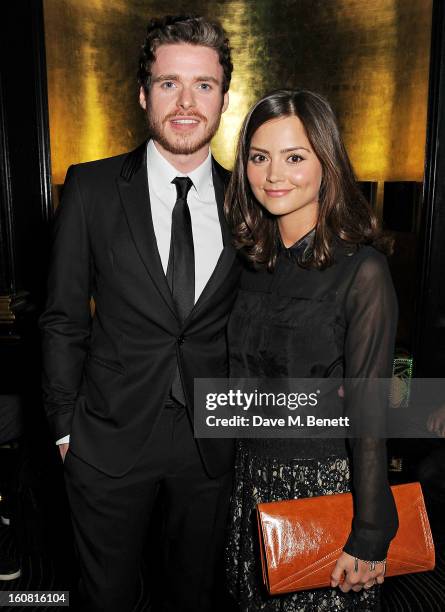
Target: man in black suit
(144,236)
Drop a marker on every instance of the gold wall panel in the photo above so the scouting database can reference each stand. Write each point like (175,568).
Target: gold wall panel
(369,58)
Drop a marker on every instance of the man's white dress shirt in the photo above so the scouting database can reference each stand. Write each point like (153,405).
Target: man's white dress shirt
(207,236)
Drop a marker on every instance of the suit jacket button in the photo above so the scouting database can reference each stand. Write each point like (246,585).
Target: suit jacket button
(181,340)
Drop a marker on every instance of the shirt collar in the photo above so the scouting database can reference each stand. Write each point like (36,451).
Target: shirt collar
(301,248)
(161,173)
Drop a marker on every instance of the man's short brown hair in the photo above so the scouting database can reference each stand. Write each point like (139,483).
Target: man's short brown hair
(189,29)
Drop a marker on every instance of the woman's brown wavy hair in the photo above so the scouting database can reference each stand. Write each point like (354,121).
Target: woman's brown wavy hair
(344,214)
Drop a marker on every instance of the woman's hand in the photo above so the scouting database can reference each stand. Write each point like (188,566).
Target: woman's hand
(436,422)
(364,578)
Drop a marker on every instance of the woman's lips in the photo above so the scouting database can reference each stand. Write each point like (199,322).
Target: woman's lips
(277,193)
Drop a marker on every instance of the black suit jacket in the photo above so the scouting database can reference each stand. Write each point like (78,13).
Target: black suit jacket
(107,377)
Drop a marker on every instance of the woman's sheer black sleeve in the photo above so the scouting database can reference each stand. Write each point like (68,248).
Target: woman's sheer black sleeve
(371,314)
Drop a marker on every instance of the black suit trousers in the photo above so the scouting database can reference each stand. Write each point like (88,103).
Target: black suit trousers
(111,518)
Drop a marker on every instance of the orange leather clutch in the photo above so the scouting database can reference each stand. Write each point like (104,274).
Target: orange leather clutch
(301,539)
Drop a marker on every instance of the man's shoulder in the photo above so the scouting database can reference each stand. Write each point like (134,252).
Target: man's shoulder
(221,171)
(109,168)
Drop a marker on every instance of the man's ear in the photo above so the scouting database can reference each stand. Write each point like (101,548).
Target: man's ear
(142,98)
(225,102)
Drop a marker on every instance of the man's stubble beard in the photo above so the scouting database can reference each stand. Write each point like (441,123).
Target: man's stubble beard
(181,145)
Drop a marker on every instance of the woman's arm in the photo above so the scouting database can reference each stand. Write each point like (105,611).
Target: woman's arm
(371,314)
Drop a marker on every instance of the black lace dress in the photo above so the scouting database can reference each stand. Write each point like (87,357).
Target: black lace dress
(299,323)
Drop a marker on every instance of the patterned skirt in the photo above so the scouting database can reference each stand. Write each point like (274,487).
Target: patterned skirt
(263,479)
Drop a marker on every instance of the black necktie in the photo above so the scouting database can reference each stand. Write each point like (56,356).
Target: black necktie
(181,264)
(181,261)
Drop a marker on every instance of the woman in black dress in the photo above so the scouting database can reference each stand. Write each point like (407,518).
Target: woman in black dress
(316,300)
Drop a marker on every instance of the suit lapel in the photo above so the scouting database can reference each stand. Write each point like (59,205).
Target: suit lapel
(135,197)
(220,180)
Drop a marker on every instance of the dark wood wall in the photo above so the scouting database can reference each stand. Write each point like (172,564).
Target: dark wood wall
(24,156)
(25,216)
(25,206)
(429,346)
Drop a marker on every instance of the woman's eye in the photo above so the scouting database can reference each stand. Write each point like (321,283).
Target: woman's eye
(258,158)
(295,159)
